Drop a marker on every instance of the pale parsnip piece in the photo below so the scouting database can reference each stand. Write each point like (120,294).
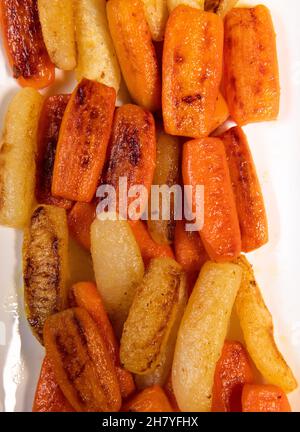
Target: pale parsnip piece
(97,59)
(81,265)
(58,27)
(202,333)
(151,327)
(172,4)
(118,265)
(17,158)
(257,326)
(220,7)
(156,12)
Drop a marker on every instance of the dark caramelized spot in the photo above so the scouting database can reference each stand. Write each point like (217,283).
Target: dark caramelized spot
(192,98)
(80,95)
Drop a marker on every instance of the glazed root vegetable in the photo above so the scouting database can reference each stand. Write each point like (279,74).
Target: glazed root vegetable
(246,187)
(156,12)
(152,399)
(257,326)
(48,395)
(118,266)
(57,21)
(83,140)
(131,157)
(80,219)
(161,223)
(192,70)
(80,263)
(156,311)
(251,78)
(97,58)
(17,153)
(132,40)
(202,333)
(81,362)
(220,7)
(86,295)
(24,44)
(48,130)
(45,265)
(221,113)
(168,388)
(148,247)
(264,398)
(233,370)
(204,163)
(172,4)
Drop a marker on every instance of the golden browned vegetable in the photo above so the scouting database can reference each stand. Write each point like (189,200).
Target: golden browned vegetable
(202,333)
(156,312)
(257,325)
(220,7)
(45,265)
(156,12)
(172,4)
(17,158)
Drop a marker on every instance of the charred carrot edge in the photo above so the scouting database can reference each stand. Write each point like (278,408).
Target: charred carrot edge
(80,219)
(48,396)
(135,51)
(233,370)
(248,196)
(251,77)
(48,130)
(149,248)
(264,398)
(168,388)
(24,43)
(152,399)
(192,71)
(204,163)
(86,295)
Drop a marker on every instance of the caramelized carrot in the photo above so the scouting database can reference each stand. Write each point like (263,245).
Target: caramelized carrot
(48,130)
(131,152)
(24,44)
(204,163)
(251,77)
(221,113)
(168,388)
(135,51)
(152,399)
(149,248)
(264,398)
(83,140)
(86,295)
(48,396)
(192,70)
(81,361)
(233,370)
(246,187)
(80,219)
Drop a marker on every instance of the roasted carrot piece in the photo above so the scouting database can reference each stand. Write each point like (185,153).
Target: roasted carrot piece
(48,395)
(251,77)
(48,130)
(83,140)
(247,190)
(86,295)
(264,398)
(233,370)
(168,388)
(131,152)
(221,113)
(81,361)
(192,70)
(24,44)
(204,163)
(135,51)
(80,219)
(149,248)
(152,399)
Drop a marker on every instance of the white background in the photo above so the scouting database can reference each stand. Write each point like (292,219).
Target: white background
(276,150)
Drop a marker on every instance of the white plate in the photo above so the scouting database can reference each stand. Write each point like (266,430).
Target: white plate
(276,150)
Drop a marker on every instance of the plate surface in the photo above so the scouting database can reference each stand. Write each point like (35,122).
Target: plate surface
(276,151)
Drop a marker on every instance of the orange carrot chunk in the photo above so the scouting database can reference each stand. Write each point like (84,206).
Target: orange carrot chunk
(264,398)
(247,190)
(204,163)
(152,399)
(251,77)
(24,43)
(83,140)
(192,70)
(233,370)
(80,219)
